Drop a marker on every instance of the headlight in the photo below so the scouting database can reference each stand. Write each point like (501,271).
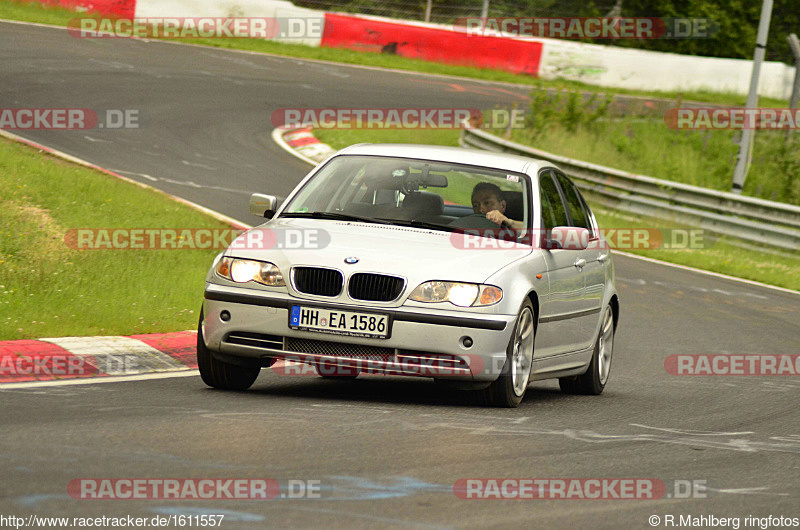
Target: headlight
(245,270)
(459,294)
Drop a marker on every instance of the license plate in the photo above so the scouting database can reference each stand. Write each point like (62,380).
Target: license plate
(334,321)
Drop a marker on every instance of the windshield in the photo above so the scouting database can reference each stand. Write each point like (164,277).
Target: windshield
(413,192)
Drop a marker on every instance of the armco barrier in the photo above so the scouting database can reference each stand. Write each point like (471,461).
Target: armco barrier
(431,43)
(744,218)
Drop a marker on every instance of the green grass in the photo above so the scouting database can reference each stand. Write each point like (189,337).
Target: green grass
(722,256)
(48,289)
(32,12)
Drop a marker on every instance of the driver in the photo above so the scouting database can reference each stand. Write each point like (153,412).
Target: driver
(487,199)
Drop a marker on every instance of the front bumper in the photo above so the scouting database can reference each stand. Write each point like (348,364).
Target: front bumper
(429,344)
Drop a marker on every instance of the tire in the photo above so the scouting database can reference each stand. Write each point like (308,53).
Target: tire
(594,380)
(219,374)
(509,389)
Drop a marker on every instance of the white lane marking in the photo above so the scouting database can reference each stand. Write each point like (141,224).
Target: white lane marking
(238,60)
(761,490)
(326,69)
(637,281)
(188,183)
(195,164)
(640,281)
(692,432)
(188,372)
(112,64)
(148,153)
(143,175)
(95,140)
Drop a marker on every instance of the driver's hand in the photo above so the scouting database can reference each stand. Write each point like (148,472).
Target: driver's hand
(496,217)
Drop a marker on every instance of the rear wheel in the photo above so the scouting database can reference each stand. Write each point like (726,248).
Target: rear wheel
(509,389)
(594,380)
(219,374)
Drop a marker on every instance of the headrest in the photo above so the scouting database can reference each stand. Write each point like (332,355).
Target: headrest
(515,207)
(424,202)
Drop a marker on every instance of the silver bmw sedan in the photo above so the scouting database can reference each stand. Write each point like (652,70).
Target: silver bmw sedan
(483,271)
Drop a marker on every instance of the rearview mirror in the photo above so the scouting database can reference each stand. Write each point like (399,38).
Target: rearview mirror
(568,238)
(436,181)
(263,205)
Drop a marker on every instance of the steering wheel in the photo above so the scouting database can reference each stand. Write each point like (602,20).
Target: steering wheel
(474,220)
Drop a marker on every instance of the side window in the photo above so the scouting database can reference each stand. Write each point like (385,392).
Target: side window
(579,215)
(553,213)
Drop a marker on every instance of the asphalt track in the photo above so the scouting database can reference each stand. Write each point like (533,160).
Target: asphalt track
(387,451)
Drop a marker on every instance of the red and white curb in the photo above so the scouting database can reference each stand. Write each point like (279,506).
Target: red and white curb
(85,358)
(303,144)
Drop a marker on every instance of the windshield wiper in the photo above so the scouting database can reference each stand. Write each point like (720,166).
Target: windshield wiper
(420,224)
(338,216)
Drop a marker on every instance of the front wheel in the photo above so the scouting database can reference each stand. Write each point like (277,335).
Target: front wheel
(594,380)
(509,389)
(219,374)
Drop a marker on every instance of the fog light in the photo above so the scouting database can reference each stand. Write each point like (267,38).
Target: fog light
(225,316)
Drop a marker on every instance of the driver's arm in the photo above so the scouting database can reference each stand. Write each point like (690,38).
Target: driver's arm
(498,218)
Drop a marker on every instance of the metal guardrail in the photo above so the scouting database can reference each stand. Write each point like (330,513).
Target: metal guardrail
(745,218)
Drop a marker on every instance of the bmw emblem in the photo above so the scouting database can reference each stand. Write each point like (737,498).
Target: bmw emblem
(351,260)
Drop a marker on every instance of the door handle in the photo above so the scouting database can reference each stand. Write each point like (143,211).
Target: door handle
(602,258)
(580,263)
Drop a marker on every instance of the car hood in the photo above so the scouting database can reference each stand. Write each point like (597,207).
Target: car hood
(417,254)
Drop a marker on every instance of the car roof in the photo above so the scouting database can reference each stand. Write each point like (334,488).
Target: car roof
(456,155)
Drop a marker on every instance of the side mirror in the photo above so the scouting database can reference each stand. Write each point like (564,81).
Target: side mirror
(263,205)
(568,238)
